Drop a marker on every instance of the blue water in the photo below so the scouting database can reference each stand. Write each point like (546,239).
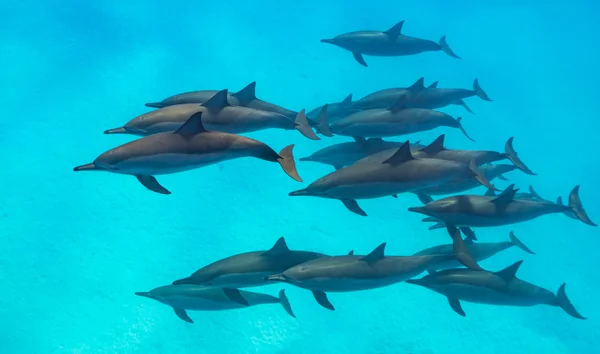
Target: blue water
(76,246)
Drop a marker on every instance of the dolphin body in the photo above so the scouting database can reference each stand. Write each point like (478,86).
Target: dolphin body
(388,97)
(487,211)
(390,43)
(345,154)
(494,288)
(479,251)
(249,269)
(217,115)
(398,174)
(355,273)
(200,298)
(189,147)
(335,111)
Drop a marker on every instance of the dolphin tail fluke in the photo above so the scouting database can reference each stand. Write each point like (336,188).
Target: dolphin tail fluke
(577,207)
(152,184)
(154,104)
(569,212)
(353,206)
(462,129)
(461,251)
(303,127)
(516,242)
(480,177)
(444,46)
(479,91)
(287,163)
(285,302)
(512,156)
(323,124)
(120,130)
(565,303)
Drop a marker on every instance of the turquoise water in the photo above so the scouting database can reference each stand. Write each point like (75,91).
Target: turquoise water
(76,246)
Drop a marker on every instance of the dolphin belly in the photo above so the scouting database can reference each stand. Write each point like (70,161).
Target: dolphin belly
(369,190)
(350,284)
(485,295)
(162,127)
(161,164)
(240,280)
(199,303)
(373,130)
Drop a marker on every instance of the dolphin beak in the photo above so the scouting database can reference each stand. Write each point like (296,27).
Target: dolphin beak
(154,105)
(183,281)
(86,167)
(330,41)
(300,192)
(417,210)
(144,294)
(414,281)
(121,130)
(304,159)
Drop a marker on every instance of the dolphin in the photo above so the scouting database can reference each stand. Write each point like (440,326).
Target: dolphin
(533,195)
(335,111)
(398,174)
(390,43)
(437,150)
(201,298)
(494,288)
(218,115)
(388,97)
(480,251)
(345,154)
(486,211)
(189,147)
(394,121)
(434,97)
(249,269)
(375,270)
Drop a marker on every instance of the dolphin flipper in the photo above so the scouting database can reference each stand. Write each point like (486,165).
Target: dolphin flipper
(455,304)
(359,58)
(461,251)
(285,303)
(352,205)
(480,177)
(322,299)
(235,296)
(152,184)
(516,242)
(438,225)
(183,315)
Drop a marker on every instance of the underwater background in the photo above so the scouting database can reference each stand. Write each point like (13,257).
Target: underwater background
(75,247)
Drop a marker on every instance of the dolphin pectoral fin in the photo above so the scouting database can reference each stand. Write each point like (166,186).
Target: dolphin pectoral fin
(152,184)
(235,296)
(437,225)
(287,163)
(455,305)
(285,303)
(444,46)
(577,207)
(502,178)
(395,196)
(565,303)
(424,198)
(465,106)
(322,299)
(352,205)
(462,129)
(461,251)
(359,58)
(469,234)
(479,176)
(303,127)
(183,315)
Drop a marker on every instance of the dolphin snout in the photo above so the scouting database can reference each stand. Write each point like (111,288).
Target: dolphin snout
(330,41)
(121,130)
(417,210)
(144,294)
(155,104)
(87,167)
(300,192)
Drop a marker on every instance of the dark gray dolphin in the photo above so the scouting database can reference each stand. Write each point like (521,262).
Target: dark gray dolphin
(218,115)
(394,121)
(384,99)
(250,268)
(494,288)
(335,111)
(479,250)
(390,43)
(355,273)
(345,154)
(437,150)
(533,195)
(398,174)
(189,147)
(434,97)
(201,298)
(485,211)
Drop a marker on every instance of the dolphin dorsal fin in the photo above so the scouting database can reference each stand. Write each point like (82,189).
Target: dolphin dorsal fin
(278,249)
(246,94)
(218,101)
(436,146)
(418,85)
(534,193)
(347,101)
(510,272)
(559,201)
(395,31)
(351,253)
(507,196)
(402,155)
(192,126)
(399,105)
(490,193)
(375,255)
(434,85)
(360,140)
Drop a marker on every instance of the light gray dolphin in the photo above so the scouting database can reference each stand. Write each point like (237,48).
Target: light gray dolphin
(390,43)
(375,270)
(218,115)
(486,211)
(494,288)
(345,154)
(479,250)
(335,111)
(533,195)
(189,147)
(250,268)
(388,97)
(201,298)
(434,97)
(398,174)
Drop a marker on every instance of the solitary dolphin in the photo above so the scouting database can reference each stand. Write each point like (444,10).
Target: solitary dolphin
(335,111)
(485,211)
(494,288)
(398,174)
(218,115)
(189,147)
(249,269)
(390,43)
(345,154)
(375,270)
(201,298)
(480,251)
(394,121)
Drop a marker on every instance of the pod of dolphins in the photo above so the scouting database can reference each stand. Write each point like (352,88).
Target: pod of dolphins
(200,128)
